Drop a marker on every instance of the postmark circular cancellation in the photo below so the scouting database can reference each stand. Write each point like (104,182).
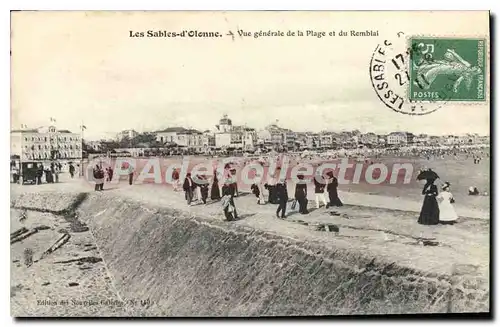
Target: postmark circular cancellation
(419,75)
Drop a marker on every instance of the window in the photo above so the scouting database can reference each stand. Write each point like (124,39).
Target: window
(26,139)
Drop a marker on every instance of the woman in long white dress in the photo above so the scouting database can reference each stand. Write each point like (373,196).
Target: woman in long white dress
(447,214)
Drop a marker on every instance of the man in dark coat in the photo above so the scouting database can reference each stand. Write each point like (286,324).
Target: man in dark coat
(110,174)
(130,171)
(39,174)
(99,178)
(301,194)
(48,175)
(71,170)
(282,194)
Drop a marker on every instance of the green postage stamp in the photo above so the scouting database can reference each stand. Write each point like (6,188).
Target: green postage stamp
(447,69)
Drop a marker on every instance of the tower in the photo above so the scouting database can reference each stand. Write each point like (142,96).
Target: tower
(225,124)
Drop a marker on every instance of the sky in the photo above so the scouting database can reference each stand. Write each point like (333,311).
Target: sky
(80,67)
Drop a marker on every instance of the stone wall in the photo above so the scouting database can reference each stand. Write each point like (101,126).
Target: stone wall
(181,265)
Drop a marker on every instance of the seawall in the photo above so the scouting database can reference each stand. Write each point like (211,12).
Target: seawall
(188,264)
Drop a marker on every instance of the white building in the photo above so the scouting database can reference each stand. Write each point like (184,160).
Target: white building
(45,143)
(183,137)
(396,138)
(228,135)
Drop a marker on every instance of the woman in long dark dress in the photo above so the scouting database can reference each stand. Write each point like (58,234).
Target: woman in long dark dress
(234,184)
(215,192)
(333,195)
(271,187)
(429,215)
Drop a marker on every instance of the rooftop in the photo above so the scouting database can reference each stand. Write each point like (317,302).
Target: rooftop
(179,130)
(36,130)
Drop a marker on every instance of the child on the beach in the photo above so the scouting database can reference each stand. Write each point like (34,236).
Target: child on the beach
(228,205)
(447,214)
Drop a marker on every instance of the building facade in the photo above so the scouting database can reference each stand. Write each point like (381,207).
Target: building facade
(290,140)
(421,139)
(208,140)
(396,138)
(326,140)
(232,136)
(46,143)
(190,139)
(278,138)
(410,138)
(369,138)
(312,141)
(128,133)
(95,146)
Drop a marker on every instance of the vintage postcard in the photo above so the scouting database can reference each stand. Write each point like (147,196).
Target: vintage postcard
(250,164)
